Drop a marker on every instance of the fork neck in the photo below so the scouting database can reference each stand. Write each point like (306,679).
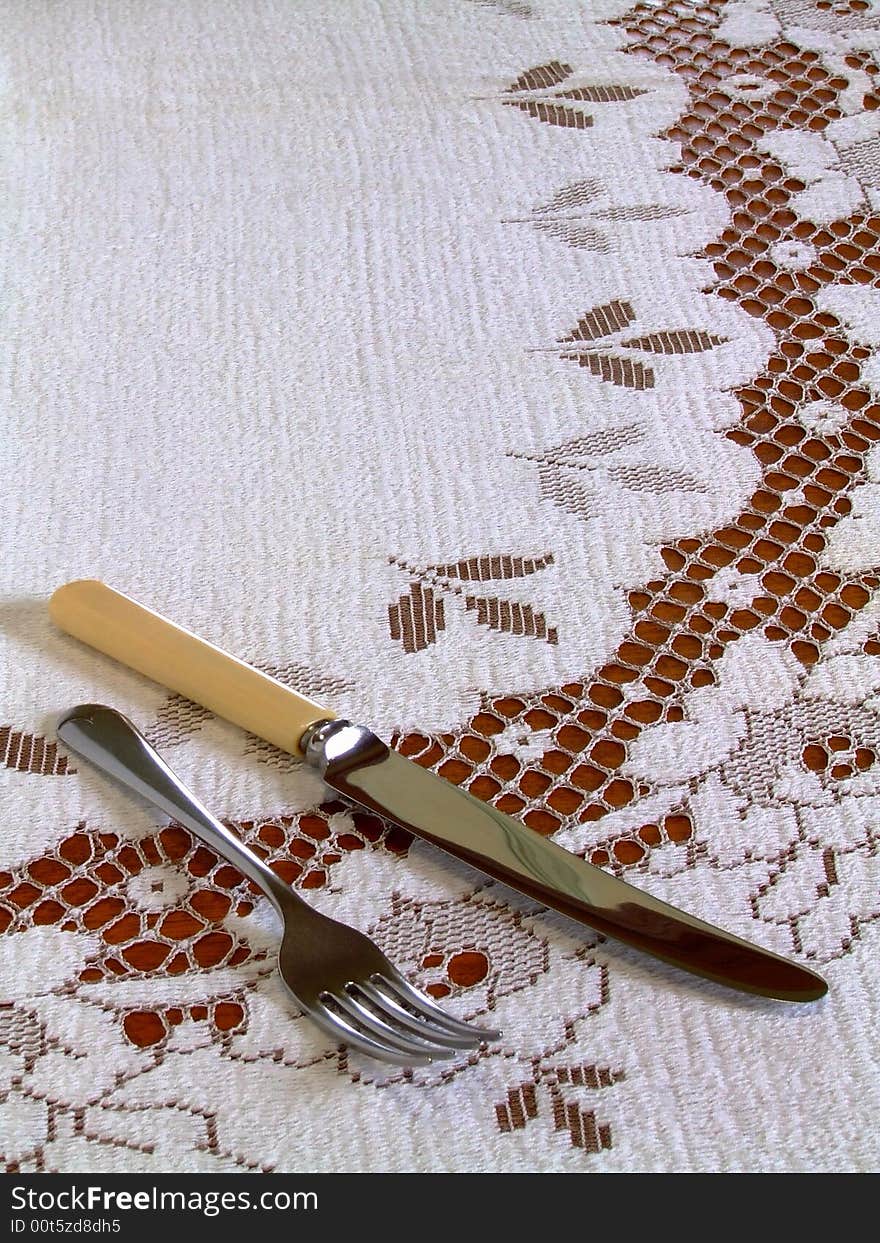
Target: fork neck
(216,835)
(110,741)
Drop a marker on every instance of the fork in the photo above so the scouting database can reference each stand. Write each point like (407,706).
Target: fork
(335,974)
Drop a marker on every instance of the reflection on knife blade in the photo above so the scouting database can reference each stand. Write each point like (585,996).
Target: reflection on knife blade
(361,767)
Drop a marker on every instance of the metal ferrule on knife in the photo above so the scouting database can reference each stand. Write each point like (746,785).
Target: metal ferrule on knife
(362,768)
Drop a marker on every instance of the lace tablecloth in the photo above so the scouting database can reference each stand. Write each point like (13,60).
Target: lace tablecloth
(504,375)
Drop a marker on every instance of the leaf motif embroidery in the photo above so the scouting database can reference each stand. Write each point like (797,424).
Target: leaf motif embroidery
(176,719)
(582,1125)
(32,753)
(602,328)
(304,680)
(582,236)
(578,452)
(573,216)
(639,212)
(655,479)
(575,195)
(513,8)
(487,569)
(416,618)
(541,80)
(520,1106)
(542,77)
(510,617)
(602,94)
(552,114)
(560,1087)
(602,321)
(624,372)
(679,341)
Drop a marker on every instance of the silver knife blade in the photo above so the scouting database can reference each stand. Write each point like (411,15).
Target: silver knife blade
(362,768)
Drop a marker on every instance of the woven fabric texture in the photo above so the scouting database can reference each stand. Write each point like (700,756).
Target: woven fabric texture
(503,374)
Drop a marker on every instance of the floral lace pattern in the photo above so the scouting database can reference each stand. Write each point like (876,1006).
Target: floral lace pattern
(722,749)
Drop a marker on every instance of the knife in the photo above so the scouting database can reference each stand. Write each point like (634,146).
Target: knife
(364,770)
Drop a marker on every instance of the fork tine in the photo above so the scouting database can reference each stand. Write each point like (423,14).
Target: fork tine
(383,1030)
(418,1026)
(338,1027)
(424,1005)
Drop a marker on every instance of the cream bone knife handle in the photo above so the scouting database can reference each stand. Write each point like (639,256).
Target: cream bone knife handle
(143,640)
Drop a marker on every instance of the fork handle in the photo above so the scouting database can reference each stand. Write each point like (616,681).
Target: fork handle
(120,627)
(109,741)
